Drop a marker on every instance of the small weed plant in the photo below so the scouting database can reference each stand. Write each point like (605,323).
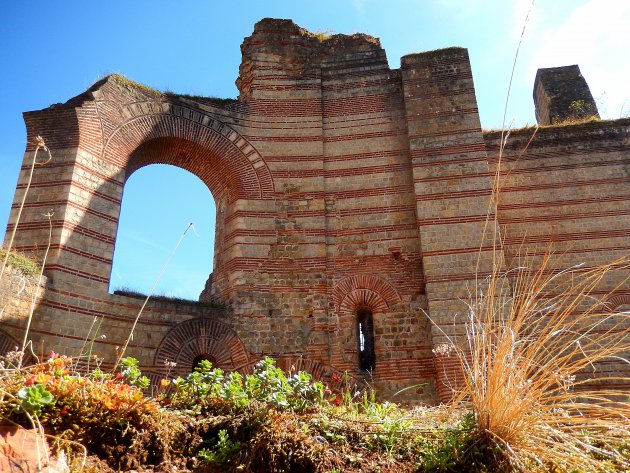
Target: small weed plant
(223,452)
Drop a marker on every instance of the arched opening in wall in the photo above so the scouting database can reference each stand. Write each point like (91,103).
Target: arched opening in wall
(365,337)
(159,202)
(203,357)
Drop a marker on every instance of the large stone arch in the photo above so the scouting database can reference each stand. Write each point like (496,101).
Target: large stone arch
(164,133)
(97,141)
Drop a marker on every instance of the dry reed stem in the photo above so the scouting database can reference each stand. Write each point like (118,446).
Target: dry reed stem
(39,142)
(36,289)
(534,337)
(530,359)
(155,283)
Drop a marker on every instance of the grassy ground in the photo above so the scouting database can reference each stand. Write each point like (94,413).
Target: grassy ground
(268,421)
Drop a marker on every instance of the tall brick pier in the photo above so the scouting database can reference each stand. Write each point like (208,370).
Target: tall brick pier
(352,204)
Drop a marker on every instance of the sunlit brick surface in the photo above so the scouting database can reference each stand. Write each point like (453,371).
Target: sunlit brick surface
(340,185)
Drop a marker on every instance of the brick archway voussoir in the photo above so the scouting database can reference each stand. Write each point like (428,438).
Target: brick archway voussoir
(239,157)
(200,336)
(364,290)
(617,301)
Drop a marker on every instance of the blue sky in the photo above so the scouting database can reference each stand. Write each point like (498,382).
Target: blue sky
(52,51)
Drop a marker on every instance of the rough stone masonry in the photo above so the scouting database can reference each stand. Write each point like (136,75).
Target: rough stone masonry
(352,201)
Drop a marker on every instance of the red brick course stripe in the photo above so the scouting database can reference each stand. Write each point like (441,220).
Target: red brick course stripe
(285,139)
(560,185)
(452,112)
(350,194)
(344,157)
(450,177)
(575,236)
(55,203)
(454,195)
(69,249)
(56,224)
(363,136)
(560,203)
(342,172)
(76,272)
(443,133)
(509,171)
(77,165)
(69,182)
(422,96)
(322,231)
(455,220)
(448,150)
(566,216)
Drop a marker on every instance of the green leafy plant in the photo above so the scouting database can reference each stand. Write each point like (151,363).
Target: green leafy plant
(35,398)
(268,384)
(454,449)
(22,263)
(222,452)
(132,373)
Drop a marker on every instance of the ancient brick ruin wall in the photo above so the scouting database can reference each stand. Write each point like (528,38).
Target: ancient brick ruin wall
(341,186)
(567,192)
(18,293)
(561,94)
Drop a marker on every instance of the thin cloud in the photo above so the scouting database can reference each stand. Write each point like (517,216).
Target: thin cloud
(130,236)
(359,7)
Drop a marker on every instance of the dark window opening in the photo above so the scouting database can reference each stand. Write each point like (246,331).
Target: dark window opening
(365,332)
(200,358)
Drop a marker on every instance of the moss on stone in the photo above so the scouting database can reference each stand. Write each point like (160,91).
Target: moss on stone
(127,292)
(22,263)
(200,98)
(132,84)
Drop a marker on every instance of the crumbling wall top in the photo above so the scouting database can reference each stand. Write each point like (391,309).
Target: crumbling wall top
(561,94)
(297,51)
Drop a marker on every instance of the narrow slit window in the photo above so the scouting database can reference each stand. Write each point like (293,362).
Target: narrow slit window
(365,332)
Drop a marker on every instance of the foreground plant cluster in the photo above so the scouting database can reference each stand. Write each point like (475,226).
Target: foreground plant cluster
(530,398)
(216,421)
(265,421)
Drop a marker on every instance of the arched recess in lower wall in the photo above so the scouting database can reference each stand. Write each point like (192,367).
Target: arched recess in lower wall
(204,337)
(200,337)
(9,344)
(615,314)
(618,303)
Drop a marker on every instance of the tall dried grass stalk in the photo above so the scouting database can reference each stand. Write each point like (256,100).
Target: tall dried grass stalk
(534,338)
(121,354)
(530,359)
(31,311)
(39,143)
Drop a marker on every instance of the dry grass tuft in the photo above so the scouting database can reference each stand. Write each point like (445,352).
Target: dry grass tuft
(533,344)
